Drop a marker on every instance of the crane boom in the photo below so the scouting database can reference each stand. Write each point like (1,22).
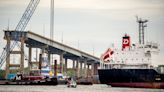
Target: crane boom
(20,27)
(27,15)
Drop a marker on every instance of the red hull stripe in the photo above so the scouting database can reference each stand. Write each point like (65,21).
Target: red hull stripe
(139,85)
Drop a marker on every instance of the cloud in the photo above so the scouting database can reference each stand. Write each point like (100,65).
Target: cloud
(92,22)
(16,3)
(108,4)
(93,4)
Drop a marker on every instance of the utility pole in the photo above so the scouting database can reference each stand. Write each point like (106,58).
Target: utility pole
(51,29)
(52,20)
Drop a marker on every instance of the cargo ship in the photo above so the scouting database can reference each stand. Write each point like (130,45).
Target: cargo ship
(131,66)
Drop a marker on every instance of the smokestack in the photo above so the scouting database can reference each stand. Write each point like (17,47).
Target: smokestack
(126,42)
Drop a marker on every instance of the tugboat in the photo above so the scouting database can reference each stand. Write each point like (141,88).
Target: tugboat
(131,65)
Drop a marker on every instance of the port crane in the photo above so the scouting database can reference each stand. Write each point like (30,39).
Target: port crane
(20,27)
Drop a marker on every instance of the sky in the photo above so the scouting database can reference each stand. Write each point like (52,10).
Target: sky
(90,25)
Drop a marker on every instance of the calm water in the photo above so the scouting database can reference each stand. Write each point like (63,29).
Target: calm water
(80,88)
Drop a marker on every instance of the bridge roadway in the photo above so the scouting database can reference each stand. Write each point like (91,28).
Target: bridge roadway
(55,47)
(34,40)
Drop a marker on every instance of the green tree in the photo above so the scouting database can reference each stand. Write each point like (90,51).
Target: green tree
(2,74)
(71,72)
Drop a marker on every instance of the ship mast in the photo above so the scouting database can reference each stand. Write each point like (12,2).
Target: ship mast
(142,25)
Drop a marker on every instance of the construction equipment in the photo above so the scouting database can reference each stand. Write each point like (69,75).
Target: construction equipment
(20,27)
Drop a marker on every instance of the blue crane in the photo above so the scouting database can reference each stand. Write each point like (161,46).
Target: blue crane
(20,27)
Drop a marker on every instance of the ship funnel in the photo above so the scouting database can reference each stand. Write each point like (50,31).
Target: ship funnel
(125,42)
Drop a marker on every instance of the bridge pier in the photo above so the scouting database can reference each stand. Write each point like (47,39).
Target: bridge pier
(85,70)
(92,69)
(16,36)
(73,64)
(88,70)
(29,58)
(81,70)
(74,67)
(96,69)
(22,54)
(8,53)
(65,67)
(61,63)
(37,62)
(49,57)
(77,68)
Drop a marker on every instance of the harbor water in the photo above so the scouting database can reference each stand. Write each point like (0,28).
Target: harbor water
(80,88)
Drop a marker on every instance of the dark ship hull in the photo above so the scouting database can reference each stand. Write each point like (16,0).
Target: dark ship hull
(141,78)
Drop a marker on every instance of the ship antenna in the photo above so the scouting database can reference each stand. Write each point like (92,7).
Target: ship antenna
(142,25)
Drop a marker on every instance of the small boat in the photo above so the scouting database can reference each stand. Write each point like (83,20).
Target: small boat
(71,83)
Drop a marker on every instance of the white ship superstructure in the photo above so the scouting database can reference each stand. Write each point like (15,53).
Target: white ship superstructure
(131,66)
(130,56)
